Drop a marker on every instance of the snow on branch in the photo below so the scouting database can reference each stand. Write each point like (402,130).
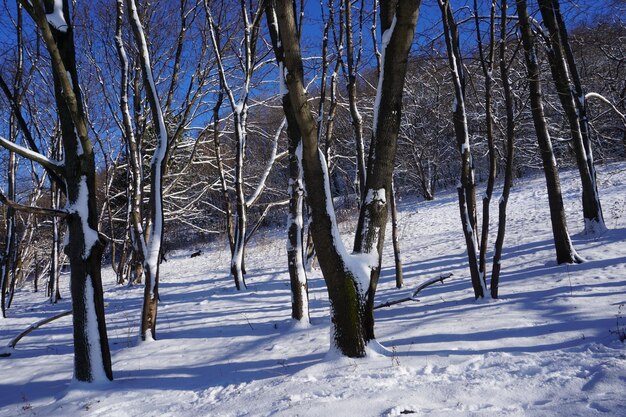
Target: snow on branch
(607,101)
(44,161)
(270,164)
(56,19)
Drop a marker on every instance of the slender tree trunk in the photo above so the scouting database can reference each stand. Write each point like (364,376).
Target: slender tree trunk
(357,119)
(53,281)
(466,187)
(565,252)
(236,266)
(487,67)
(135,189)
(572,99)
(395,236)
(220,169)
(510,147)
(295,221)
(157,168)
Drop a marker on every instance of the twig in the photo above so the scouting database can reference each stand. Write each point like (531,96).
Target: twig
(414,294)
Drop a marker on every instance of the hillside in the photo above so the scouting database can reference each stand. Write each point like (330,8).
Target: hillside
(548,347)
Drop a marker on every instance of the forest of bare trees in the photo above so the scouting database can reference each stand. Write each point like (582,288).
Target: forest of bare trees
(132,129)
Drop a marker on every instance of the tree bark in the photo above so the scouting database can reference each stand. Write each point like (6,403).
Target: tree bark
(92,360)
(466,187)
(345,291)
(572,98)
(157,169)
(295,220)
(487,64)
(510,147)
(395,236)
(398,20)
(565,252)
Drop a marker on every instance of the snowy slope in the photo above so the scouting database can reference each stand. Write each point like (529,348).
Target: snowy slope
(546,348)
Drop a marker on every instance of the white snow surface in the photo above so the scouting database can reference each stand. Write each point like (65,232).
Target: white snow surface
(546,347)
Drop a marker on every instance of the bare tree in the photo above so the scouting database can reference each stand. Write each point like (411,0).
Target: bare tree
(466,187)
(239,108)
(92,360)
(572,98)
(565,252)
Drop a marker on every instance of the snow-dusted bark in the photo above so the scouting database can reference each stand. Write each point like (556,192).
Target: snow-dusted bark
(466,184)
(352,63)
(347,276)
(397,23)
(295,219)
(565,252)
(395,236)
(239,109)
(157,167)
(135,161)
(487,66)
(510,139)
(54,293)
(572,98)
(92,360)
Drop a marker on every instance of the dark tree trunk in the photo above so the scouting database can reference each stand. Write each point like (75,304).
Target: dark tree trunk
(510,144)
(398,20)
(357,119)
(92,360)
(565,252)
(345,296)
(487,62)
(466,187)
(572,99)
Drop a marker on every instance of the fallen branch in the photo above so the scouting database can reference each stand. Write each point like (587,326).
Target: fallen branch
(440,278)
(29,329)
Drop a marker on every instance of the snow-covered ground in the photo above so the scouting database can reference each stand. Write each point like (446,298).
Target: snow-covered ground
(547,347)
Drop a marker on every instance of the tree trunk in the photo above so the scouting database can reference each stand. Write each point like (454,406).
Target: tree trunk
(572,99)
(398,22)
(137,233)
(466,186)
(357,119)
(345,288)
(395,236)
(510,144)
(487,67)
(157,168)
(565,252)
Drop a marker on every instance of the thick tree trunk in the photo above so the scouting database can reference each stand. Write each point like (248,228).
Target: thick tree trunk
(345,285)
(92,360)
(572,99)
(398,20)
(466,187)
(565,252)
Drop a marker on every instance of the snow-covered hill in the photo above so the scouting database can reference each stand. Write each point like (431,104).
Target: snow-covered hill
(548,347)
